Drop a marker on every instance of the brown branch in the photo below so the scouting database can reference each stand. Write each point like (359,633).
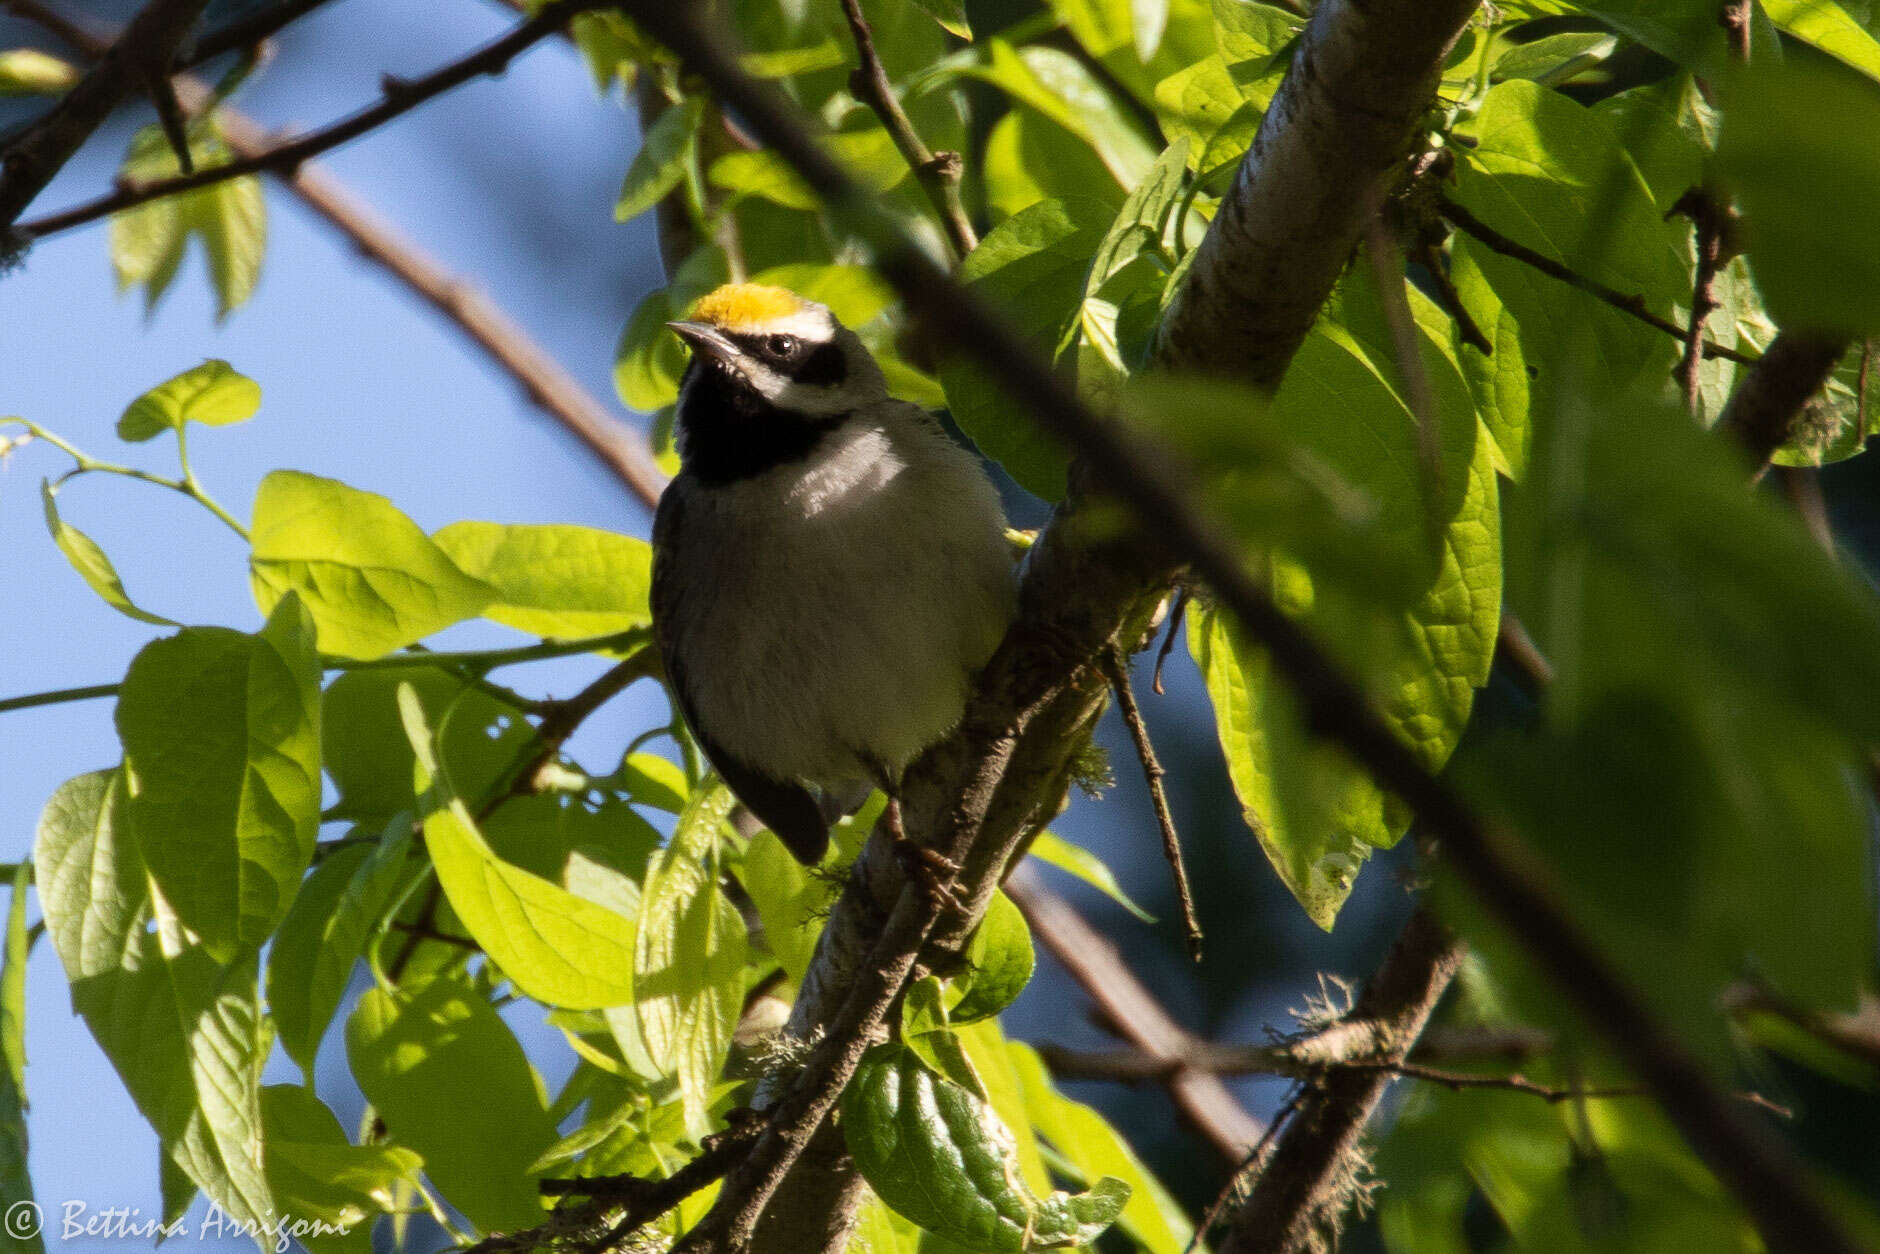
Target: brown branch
(1709,219)
(1241,296)
(141,56)
(1763,409)
(1514,646)
(1857,1034)
(1632,304)
(1307,1181)
(1427,252)
(583,1225)
(400,96)
(1177,610)
(937,173)
(1116,670)
(543,380)
(1133,1012)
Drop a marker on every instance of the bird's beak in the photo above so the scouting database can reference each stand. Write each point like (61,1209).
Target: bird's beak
(704,338)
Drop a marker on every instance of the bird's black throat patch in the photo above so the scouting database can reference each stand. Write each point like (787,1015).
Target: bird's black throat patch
(728,431)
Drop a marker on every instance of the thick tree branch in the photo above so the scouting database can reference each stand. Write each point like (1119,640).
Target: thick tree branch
(1362,78)
(141,57)
(1762,410)
(400,96)
(542,378)
(937,173)
(1133,1012)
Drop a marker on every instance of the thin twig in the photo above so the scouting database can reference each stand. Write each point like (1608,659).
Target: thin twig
(1249,1165)
(1633,304)
(245,32)
(583,1225)
(1515,646)
(1709,218)
(1116,670)
(1758,1170)
(937,173)
(562,718)
(428,931)
(1450,299)
(400,96)
(1132,1011)
(1177,610)
(142,56)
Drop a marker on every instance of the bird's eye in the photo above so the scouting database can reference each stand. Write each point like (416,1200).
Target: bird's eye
(780,345)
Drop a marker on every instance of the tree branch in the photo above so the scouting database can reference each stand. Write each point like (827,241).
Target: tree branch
(143,55)
(544,381)
(1310,1176)
(1134,1013)
(400,96)
(937,173)
(1360,81)
(1633,304)
(1116,670)
(1762,410)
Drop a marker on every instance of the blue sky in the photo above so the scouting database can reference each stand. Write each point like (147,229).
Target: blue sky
(509,183)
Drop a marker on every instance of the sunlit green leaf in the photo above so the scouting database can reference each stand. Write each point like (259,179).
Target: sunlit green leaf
(15,1184)
(792,903)
(30,72)
(555,579)
(213,393)
(1049,847)
(688,967)
(90,561)
(557,947)
(999,957)
(321,1177)
(221,735)
(373,581)
(445,1074)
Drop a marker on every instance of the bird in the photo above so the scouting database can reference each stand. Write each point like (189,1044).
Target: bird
(830,567)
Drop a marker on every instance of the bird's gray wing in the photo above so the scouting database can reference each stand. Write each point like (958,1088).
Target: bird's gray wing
(786,808)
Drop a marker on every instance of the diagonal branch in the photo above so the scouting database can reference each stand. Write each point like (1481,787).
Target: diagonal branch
(542,378)
(143,55)
(400,96)
(1133,1011)
(1351,94)
(937,173)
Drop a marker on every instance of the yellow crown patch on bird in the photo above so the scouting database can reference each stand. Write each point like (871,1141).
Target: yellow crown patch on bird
(746,306)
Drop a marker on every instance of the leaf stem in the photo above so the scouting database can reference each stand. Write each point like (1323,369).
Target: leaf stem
(485,659)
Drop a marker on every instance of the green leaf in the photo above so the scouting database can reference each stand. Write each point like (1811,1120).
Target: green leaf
(321,1177)
(30,72)
(1029,158)
(15,1184)
(232,219)
(373,581)
(185,1034)
(1152,1218)
(1554,59)
(666,148)
(792,903)
(230,216)
(1543,168)
(869,157)
(648,360)
(1054,850)
(445,1073)
(651,780)
(951,14)
(938,1156)
(688,968)
(925,1030)
(555,580)
(1829,27)
(214,394)
(89,560)
(1150,20)
(1034,263)
(480,737)
(1807,193)
(311,961)
(221,736)
(557,947)
(1000,958)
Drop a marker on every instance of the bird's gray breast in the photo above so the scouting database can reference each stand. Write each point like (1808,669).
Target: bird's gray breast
(829,615)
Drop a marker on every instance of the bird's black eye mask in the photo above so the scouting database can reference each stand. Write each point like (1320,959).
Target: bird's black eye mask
(798,360)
